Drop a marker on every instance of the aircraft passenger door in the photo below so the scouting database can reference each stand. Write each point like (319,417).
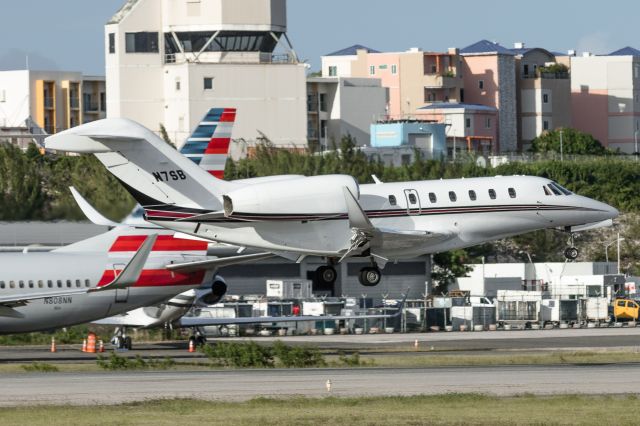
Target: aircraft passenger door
(122,294)
(413,201)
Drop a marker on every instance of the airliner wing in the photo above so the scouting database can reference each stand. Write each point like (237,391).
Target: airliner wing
(201,322)
(217,263)
(129,319)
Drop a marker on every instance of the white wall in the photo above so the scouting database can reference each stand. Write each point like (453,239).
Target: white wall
(15,101)
(343,64)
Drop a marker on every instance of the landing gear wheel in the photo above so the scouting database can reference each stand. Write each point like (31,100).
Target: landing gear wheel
(127,343)
(117,342)
(326,274)
(370,276)
(200,341)
(571,253)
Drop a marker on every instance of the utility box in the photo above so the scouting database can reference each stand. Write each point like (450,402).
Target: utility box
(595,309)
(289,289)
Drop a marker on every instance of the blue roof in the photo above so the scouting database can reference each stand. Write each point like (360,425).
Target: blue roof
(626,51)
(453,105)
(352,50)
(486,46)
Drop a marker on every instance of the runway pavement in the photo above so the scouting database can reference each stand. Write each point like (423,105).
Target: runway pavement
(454,342)
(113,388)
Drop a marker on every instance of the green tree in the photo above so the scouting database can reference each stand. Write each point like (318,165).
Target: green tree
(573,142)
(448,266)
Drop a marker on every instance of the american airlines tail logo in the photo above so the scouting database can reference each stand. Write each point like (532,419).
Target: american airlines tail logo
(208,146)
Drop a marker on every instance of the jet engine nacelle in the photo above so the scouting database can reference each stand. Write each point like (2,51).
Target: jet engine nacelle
(307,195)
(214,294)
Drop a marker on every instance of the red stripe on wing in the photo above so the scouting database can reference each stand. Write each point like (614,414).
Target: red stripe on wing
(157,278)
(163,243)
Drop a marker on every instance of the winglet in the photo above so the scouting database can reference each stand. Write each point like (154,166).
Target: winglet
(132,271)
(91,213)
(376,180)
(357,217)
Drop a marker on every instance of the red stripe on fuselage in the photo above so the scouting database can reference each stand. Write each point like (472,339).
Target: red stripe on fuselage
(163,243)
(157,278)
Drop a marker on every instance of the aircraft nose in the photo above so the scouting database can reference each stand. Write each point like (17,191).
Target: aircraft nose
(608,212)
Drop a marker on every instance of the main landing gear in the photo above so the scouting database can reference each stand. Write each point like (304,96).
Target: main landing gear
(197,338)
(120,339)
(370,276)
(326,275)
(571,252)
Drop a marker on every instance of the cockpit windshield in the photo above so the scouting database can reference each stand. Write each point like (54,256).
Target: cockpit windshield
(556,189)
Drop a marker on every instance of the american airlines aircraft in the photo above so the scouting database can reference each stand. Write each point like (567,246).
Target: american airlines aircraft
(330,216)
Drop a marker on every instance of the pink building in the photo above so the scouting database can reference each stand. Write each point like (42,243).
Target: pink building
(605,97)
(488,71)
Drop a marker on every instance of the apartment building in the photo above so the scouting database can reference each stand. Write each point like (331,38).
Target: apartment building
(341,106)
(412,78)
(543,93)
(51,101)
(605,97)
(170,61)
(488,71)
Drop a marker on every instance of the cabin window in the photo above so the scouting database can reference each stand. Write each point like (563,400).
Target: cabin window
(452,196)
(40,283)
(392,200)
(472,195)
(49,283)
(512,193)
(87,283)
(432,197)
(12,284)
(1,284)
(21,284)
(78,283)
(30,284)
(546,191)
(59,282)
(492,194)
(412,199)
(68,283)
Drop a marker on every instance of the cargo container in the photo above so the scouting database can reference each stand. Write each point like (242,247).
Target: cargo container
(518,307)
(472,316)
(557,311)
(595,309)
(289,289)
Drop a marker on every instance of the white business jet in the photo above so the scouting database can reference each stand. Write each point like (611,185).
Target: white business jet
(330,216)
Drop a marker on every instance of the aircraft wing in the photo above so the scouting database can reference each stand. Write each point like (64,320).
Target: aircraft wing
(389,239)
(126,278)
(129,319)
(217,263)
(201,322)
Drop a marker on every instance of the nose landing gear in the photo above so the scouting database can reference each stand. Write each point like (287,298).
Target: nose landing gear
(571,252)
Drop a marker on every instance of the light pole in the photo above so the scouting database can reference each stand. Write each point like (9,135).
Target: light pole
(606,250)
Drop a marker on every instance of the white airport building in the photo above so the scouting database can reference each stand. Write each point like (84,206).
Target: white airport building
(169,61)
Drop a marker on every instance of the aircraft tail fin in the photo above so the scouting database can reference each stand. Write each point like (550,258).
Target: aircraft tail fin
(154,173)
(208,145)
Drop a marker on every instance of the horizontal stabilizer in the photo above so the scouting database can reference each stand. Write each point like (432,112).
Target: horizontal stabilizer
(217,263)
(130,274)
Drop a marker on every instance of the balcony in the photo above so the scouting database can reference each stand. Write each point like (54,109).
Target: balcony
(439,81)
(548,75)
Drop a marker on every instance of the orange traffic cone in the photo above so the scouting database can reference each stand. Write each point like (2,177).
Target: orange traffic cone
(91,343)
(192,345)
(53,345)
(101,346)
(84,345)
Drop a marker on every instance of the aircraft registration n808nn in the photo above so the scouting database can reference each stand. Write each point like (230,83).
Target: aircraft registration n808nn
(330,216)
